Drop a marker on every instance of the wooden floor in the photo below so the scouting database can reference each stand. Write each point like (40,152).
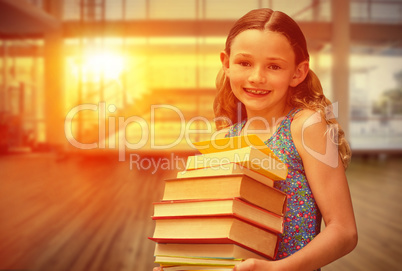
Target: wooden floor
(93,213)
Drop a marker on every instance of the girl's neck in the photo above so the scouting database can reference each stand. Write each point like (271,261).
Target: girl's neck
(268,119)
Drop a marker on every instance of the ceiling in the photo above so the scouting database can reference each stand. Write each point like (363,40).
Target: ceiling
(19,18)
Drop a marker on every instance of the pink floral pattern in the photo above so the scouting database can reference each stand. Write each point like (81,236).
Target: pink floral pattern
(302,218)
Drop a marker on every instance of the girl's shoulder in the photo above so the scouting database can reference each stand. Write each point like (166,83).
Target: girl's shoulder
(307,118)
(230,131)
(309,131)
(222,133)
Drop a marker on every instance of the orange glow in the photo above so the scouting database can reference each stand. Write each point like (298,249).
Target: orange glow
(94,66)
(108,65)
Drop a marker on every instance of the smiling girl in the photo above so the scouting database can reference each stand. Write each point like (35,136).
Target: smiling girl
(266,86)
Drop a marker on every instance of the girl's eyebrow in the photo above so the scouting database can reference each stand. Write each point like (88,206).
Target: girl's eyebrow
(268,58)
(243,54)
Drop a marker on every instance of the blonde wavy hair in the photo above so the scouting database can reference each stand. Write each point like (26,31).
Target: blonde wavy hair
(307,95)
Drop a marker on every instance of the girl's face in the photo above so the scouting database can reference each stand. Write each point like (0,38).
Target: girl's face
(261,67)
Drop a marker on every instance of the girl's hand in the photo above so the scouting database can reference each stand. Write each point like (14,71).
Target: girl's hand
(255,265)
(157,269)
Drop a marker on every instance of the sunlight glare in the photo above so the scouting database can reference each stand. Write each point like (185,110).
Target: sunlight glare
(108,65)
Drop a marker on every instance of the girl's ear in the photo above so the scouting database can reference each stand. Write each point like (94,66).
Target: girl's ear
(300,73)
(225,62)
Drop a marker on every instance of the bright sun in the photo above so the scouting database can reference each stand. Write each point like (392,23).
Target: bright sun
(108,65)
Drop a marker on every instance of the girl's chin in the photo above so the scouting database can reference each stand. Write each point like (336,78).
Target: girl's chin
(255,107)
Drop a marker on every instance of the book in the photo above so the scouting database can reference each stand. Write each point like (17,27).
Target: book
(231,186)
(248,157)
(226,169)
(216,230)
(191,261)
(195,268)
(232,143)
(223,208)
(224,251)
(234,207)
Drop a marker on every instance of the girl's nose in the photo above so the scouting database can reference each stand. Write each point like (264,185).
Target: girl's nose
(257,76)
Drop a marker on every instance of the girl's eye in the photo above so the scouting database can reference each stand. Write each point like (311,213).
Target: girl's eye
(244,64)
(274,67)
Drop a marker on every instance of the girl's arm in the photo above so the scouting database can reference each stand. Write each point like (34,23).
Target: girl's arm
(326,177)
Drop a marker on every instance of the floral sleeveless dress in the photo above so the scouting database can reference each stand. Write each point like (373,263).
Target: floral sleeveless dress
(302,220)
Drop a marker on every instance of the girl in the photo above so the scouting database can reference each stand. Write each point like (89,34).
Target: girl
(266,86)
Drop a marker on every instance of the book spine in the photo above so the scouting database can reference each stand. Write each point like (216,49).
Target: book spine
(228,215)
(210,241)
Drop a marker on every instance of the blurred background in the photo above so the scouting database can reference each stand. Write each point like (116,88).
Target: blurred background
(88,85)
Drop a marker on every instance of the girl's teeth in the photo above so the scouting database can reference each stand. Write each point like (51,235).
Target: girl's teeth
(257,91)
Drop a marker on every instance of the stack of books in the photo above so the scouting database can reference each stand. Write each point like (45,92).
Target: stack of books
(222,209)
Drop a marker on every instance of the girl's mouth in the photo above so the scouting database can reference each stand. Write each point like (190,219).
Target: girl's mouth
(257,91)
